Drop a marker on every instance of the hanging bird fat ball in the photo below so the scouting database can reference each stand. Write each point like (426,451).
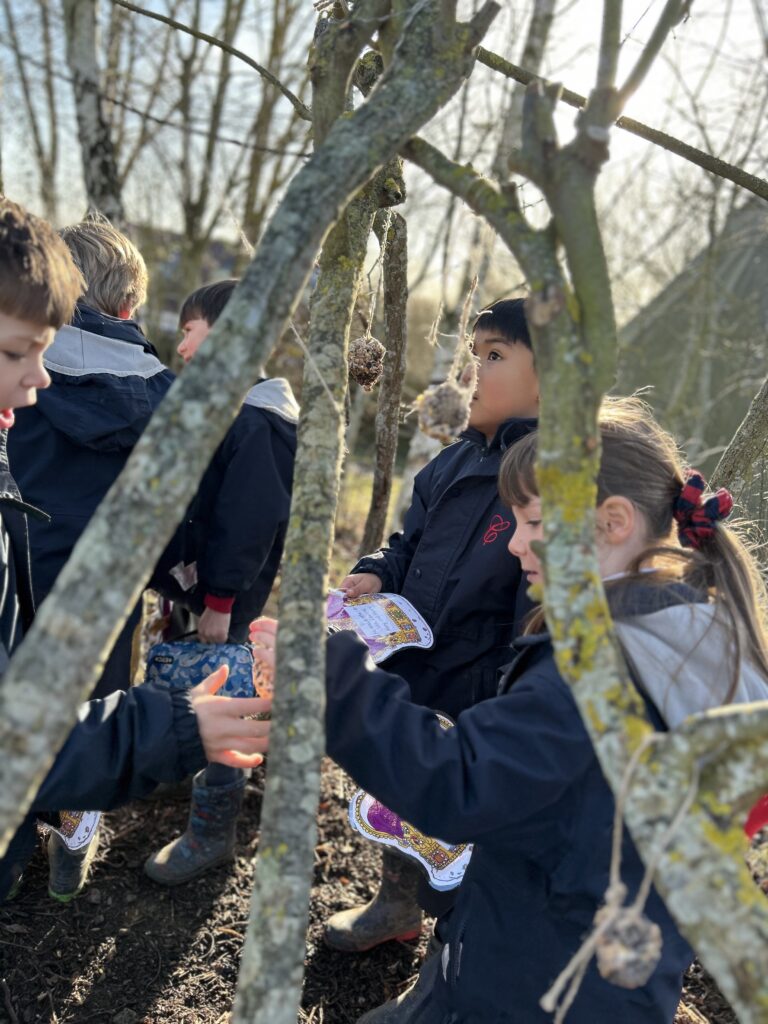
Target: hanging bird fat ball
(444,410)
(366,361)
(629,949)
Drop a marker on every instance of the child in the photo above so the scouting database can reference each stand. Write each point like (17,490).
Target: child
(451,562)
(67,450)
(222,563)
(518,775)
(122,747)
(106,381)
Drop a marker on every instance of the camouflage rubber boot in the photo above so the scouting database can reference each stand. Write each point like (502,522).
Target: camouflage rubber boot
(210,836)
(402,1009)
(68,869)
(393,913)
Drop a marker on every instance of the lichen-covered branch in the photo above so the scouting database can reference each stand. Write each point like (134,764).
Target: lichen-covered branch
(393,237)
(738,461)
(62,655)
(574,336)
(269,985)
(272,965)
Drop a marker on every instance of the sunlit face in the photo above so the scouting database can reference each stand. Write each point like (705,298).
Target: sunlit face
(528,528)
(22,345)
(506,385)
(194,333)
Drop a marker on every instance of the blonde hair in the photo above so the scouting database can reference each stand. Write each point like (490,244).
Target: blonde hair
(642,462)
(39,282)
(113,268)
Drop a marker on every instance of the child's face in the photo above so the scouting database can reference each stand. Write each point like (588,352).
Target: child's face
(22,345)
(194,334)
(528,529)
(507,384)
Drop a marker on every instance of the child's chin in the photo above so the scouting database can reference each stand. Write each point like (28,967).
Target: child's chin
(7,419)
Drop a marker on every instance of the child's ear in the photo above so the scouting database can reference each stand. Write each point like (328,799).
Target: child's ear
(616,519)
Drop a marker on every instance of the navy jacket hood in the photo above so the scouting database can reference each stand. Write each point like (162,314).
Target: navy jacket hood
(67,451)
(107,379)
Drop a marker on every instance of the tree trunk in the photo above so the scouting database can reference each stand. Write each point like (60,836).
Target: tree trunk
(102,179)
(393,237)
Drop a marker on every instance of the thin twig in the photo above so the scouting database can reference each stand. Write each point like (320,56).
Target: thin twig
(301,109)
(162,121)
(8,1004)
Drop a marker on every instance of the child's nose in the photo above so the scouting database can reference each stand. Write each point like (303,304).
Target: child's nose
(514,547)
(37,377)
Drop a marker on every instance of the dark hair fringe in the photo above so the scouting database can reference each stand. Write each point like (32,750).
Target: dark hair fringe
(507,318)
(208,302)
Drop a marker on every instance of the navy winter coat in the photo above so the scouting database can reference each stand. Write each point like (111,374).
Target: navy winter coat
(517,777)
(121,747)
(451,562)
(235,527)
(67,451)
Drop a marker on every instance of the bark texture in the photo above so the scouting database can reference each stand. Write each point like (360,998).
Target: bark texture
(102,178)
(271,969)
(273,958)
(393,238)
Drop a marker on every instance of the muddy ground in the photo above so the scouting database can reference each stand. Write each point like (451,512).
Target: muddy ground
(129,952)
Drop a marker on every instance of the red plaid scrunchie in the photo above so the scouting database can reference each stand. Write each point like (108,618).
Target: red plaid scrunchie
(695,517)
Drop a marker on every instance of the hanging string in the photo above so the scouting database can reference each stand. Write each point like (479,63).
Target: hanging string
(614,915)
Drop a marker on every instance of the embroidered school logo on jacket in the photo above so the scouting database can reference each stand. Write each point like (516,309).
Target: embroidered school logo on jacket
(497,525)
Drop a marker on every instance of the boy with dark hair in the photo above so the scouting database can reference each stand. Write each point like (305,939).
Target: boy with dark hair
(221,565)
(122,747)
(451,562)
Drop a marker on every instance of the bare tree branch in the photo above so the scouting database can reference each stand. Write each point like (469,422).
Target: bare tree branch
(608,58)
(750,182)
(673,13)
(265,73)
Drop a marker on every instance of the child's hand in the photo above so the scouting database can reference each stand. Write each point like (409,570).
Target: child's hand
(213,627)
(227,736)
(360,583)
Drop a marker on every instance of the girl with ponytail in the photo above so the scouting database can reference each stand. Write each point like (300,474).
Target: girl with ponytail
(518,776)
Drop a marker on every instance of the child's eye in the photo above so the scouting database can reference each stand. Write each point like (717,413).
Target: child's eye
(493,356)
(533,522)
(13,356)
